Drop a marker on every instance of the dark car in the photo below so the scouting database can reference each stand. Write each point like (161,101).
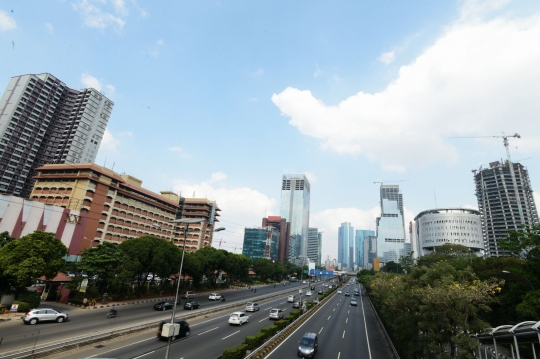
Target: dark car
(312,287)
(296,304)
(191,304)
(308,346)
(320,291)
(184,329)
(165,305)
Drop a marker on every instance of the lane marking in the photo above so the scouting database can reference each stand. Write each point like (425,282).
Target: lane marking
(338,355)
(365,326)
(262,320)
(346,321)
(348,311)
(334,310)
(321,330)
(209,330)
(140,356)
(125,346)
(230,335)
(343,335)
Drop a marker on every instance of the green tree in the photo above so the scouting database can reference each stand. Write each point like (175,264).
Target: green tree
(525,245)
(392,267)
(104,261)
(5,238)
(263,268)
(32,256)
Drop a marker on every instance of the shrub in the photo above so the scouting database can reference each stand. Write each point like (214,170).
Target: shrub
(237,352)
(269,332)
(281,324)
(24,306)
(78,301)
(254,341)
(32,298)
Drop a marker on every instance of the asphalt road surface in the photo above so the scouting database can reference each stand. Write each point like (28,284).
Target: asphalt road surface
(15,335)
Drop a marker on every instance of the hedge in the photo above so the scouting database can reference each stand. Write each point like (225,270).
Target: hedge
(281,324)
(269,331)
(255,341)
(237,352)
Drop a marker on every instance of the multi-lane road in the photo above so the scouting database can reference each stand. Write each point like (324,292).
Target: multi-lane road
(344,331)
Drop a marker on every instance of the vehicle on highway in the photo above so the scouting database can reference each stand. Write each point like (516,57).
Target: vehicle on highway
(184,329)
(188,295)
(191,304)
(214,296)
(347,294)
(252,307)
(320,291)
(308,345)
(356,292)
(312,287)
(339,291)
(276,314)
(354,301)
(296,304)
(238,318)
(308,293)
(165,305)
(35,316)
(291,298)
(304,282)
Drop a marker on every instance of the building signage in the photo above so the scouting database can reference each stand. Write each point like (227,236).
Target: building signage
(73,218)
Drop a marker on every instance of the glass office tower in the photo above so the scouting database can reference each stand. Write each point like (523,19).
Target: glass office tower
(346,245)
(390,225)
(294,207)
(313,245)
(361,235)
(255,242)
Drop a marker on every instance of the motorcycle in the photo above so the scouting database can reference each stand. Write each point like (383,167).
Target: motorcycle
(222,299)
(111,315)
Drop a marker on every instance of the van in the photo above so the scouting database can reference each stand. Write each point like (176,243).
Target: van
(308,346)
(184,329)
(188,295)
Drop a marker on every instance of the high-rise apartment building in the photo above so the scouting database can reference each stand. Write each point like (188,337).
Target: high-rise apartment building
(360,236)
(44,121)
(313,245)
(370,251)
(498,204)
(294,207)
(390,225)
(346,245)
(284,229)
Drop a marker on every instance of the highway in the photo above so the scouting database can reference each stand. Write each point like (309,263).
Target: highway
(344,332)
(15,335)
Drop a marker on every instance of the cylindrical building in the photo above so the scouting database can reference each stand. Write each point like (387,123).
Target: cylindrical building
(437,227)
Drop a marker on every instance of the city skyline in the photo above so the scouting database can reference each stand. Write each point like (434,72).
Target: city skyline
(206,109)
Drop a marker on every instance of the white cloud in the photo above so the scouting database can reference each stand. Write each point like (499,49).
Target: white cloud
(120,7)
(180,151)
(109,143)
(6,21)
(218,177)
(258,73)
(160,42)
(94,16)
(472,80)
(253,99)
(90,81)
(536,197)
(110,89)
(240,207)
(387,57)
(126,134)
(470,206)
(311,177)
(49,27)
(473,9)
(318,71)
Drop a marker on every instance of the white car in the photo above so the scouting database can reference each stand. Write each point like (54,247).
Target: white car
(214,296)
(308,293)
(304,282)
(339,291)
(291,298)
(238,318)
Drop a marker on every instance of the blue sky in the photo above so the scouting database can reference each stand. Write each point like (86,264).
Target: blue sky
(222,98)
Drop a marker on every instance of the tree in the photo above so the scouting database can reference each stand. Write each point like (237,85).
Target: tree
(5,238)
(392,267)
(263,268)
(104,261)
(32,256)
(525,245)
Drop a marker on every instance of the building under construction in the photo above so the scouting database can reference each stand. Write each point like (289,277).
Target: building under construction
(500,208)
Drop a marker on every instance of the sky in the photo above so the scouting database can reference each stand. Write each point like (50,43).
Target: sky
(219,99)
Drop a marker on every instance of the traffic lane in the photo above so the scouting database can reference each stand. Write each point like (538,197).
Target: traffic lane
(212,328)
(89,321)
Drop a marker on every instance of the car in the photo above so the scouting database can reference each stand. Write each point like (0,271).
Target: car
(252,307)
(184,329)
(356,292)
(354,301)
(308,345)
(339,291)
(348,284)
(312,287)
(304,282)
(291,298)
(35,316)
(326,285)
(191,304)
(320,291)
(308,293)
(165,305)
(296,304)
(214,296)
(276,314)
(347,294)
(188,295)
(238,318)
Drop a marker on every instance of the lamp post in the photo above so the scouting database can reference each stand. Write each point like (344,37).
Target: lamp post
(187,222)
(527,279)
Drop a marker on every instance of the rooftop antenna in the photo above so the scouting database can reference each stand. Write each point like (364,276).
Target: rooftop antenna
(113,166)
(105,163)
(193,194)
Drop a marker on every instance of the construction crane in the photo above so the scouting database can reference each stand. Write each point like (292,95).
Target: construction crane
(510,164)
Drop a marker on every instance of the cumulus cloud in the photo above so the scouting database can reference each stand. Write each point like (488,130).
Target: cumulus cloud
(241,207)
(311,177)
(387,57)
(258,73)
(475,77)
(318,71)
(6,21)
(90,81)
(93,16)
(109,142)
(110,89)
(180,151)
(160,42)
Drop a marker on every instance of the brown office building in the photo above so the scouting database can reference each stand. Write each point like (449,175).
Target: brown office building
(119,208)
(284,229)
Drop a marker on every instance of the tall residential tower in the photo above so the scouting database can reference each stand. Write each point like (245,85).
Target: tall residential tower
(44,121)
(294,207)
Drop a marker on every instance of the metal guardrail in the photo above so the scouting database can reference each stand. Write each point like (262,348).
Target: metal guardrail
(107,334)
(396,355)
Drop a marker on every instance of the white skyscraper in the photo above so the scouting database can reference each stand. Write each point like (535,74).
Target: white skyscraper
(294,207)
(390,225)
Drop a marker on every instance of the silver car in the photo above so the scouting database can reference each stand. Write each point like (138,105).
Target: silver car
(44,315)
(276,314)
(252,307)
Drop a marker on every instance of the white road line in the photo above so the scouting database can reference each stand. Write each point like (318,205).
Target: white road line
(347,321)
(230,335)
(208,331)
(125,346)
(262,320)
(365,326)
(343,335)
(209,320)
(321,330)
(328,317)
(334,310)
(140,356)
(348,311)
(338,355)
